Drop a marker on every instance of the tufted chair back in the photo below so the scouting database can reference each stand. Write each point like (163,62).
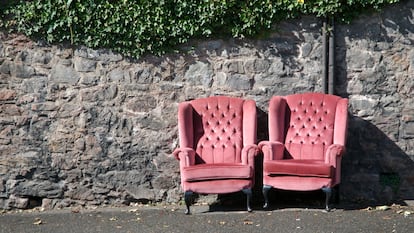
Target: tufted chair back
(217,129)
(309,125)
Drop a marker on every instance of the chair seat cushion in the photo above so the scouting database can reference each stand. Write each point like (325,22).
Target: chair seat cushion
(203,172)
(296,167)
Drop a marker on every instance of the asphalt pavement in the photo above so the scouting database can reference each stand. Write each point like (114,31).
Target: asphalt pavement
(207,218)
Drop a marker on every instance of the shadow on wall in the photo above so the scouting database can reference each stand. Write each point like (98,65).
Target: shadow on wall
(370,69)
(375,169)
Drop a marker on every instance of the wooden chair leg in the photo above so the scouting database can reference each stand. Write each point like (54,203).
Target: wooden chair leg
(249,195)
(188,198)
(328,194)
(266,189)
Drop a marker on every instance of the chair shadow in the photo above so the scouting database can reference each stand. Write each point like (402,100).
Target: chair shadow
(375,170)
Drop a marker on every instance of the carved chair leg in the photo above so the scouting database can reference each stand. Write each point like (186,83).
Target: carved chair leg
(249,195)
(265,191)
(188,198)
(328,193)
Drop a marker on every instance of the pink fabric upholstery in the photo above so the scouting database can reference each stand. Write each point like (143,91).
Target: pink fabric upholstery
(299,167)
(217,144)
(202,172)
(307,135)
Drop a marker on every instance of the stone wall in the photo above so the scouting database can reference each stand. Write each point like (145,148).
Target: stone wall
(90,127)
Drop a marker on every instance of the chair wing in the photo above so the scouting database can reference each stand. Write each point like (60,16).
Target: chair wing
(307,136)
(217,145)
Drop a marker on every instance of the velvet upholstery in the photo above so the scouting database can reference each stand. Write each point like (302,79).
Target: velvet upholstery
(217,144)
(307,135)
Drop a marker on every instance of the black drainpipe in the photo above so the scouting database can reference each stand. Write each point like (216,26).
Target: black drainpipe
(328,55)
(325,51)
(331,80)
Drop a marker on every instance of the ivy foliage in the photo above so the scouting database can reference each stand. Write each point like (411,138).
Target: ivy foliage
(135,27)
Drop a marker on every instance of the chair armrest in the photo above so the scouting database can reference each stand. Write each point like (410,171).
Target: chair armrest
(272,150)
(334,153)
(248,154)
(185,155)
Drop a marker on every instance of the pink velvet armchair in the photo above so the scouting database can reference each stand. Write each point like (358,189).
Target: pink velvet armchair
(217,146)
(307,134)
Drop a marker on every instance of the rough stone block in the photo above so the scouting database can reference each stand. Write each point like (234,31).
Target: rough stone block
(84,65)
(64,74)
(239,82)
(7,95)
(199,73)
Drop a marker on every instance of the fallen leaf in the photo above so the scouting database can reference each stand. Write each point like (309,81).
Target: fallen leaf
(76,210)
(222,222)
(383,208)
(113,219)
(37,221)
(247,222)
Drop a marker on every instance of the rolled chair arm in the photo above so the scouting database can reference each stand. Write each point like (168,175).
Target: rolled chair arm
(185,155)
(248,154)
(333,152)
(272,150)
